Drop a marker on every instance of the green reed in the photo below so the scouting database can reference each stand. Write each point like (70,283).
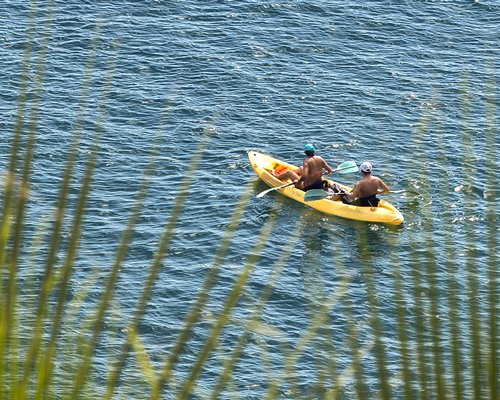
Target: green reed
(435,360)
(492,358)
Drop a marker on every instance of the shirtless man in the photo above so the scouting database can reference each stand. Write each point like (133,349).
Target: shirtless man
(312,170)
(309,175)
(365,191)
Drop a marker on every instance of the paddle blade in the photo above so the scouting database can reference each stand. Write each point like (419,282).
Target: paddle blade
(263,193)
(347,167)
(315,194)
(350,170)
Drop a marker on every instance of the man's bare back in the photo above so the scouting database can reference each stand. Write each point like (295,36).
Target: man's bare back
(369,186)
(313,170)
(366,189)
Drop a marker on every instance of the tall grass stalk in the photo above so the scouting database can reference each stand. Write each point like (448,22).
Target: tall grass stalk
(84,368)
(202,297)
(493,299)
(48,278)
(402,328)
(7,302)
(470,265)
(158,258)
(229,304)
(251,326)
(46,369)
(291,363)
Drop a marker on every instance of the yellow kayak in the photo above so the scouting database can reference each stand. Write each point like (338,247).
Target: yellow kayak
(265,167)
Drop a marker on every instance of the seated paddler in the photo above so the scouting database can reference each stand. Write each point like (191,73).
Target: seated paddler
(309,175)
(366,189)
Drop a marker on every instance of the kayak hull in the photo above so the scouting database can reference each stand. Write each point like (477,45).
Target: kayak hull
(264,166)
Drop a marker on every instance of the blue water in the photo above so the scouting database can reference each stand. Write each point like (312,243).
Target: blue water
(411,86)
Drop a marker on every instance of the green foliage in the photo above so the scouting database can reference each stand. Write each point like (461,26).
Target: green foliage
(48,351)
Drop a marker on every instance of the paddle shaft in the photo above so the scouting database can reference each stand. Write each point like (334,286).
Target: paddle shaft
(275,188)
(320,194)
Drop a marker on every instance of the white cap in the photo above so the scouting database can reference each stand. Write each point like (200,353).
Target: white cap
(366,166)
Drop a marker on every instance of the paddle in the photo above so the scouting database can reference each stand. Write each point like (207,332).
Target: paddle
(275,188)
(315,194)
(320,194)
(344,168)
(347,167)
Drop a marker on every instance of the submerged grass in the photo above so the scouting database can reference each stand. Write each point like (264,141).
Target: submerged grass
(434,361)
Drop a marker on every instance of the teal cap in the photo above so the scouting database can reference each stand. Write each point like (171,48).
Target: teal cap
(309,147)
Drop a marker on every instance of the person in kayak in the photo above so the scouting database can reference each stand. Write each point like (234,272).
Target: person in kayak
(312,170)
(309,175)
(365,191)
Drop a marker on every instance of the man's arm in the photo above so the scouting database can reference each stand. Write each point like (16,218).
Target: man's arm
(304,175)
(383,186)
(351,196)
(327,167)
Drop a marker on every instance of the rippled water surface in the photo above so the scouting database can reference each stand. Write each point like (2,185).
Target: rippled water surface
(411,86)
